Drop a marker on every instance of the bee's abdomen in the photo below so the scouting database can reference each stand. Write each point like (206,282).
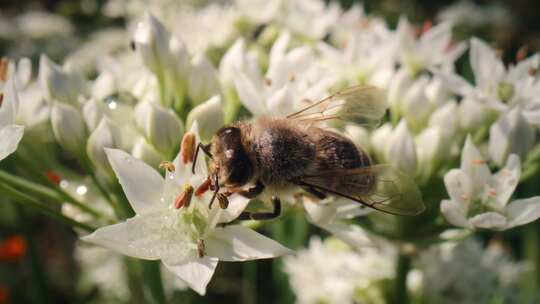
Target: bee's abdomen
(335,152)
(283,153)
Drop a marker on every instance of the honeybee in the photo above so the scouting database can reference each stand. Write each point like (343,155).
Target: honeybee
(275,154)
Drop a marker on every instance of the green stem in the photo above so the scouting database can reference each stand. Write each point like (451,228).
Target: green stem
(55,195)
(152,281)
(403,266)
(29,201)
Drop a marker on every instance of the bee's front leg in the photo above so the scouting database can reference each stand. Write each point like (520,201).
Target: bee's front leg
(253,191)
(276,203)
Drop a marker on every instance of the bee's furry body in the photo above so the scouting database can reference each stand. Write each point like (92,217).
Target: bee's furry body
(281,151)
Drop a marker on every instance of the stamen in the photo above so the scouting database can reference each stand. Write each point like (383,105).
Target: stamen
(12,249)
(492,192)
(200,248)
(532,71)
(184,198)
(268,81)
(465,198)
(203,187)
(1,98)
(3,69)
(478,162)
(292,78)
(187,150)
(167,166)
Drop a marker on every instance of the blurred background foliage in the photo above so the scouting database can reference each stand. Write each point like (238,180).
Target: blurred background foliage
(36,254)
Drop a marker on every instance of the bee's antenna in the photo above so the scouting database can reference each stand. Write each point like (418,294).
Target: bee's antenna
(206,150)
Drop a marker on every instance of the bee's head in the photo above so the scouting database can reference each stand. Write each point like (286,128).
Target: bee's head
(230,158)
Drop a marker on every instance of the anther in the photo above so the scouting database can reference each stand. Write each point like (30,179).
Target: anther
(268,81)
(492,192)
(478,162)
(3,69)
(1,98)
(187,150)
(184,198)
(203,187)
(167,166)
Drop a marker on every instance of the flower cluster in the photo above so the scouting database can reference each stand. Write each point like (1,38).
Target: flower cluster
(121,112)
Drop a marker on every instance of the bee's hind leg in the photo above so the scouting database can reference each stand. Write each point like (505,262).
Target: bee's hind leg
(276,203)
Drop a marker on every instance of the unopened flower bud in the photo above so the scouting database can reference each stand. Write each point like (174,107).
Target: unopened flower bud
(209,116)
(152,41)
(68,127)
(511,133)
(104,136)
(203,80)
(161,126)
(59,84)
(400,150)
(145,152)
(92,114)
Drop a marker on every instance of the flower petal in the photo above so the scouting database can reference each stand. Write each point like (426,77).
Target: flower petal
(523,211)
(459,187)
(237,204)
(249,95)
(238,243)
(9,139)
(350,234)
(489,220)
(506,180)
(454,214)
(142,185)
(474,165)
(197,272)
(125,238)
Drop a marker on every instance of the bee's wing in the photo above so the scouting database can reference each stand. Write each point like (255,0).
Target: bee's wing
(380,187)
(361,104)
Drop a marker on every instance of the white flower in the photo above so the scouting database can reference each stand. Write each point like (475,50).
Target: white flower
(490,270)
(432,49)
(292,78)
(332,215)
(186,240)
(369,55)
(68,127)
(10,133)
(510,134)
(400,149)
(202,80)
(330,272)
(59,84)
(106,135)
(496,86)
(237,58)
(209,116)
(160,125)
(479,199)
(152,41)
